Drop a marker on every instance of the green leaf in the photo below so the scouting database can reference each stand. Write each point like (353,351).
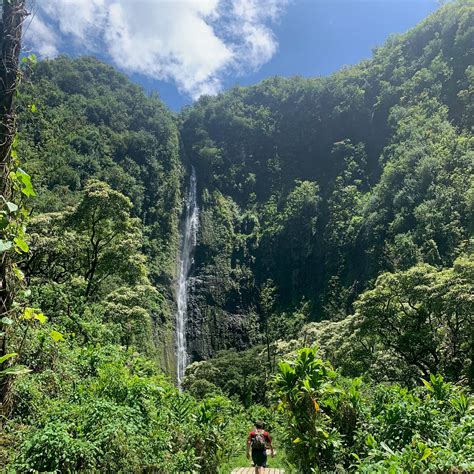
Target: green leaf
(15,370)
(370,441)
(33,108)
(18,273)
(387,448)
(31,58)
(7,356)
(28,313)
(21,244)
(6,320)
(427,452)
(5,245)
(25,180)
(56,336)
(427,385)
(41,318)
(12,207)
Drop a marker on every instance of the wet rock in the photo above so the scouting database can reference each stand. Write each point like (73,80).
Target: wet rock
(215,321)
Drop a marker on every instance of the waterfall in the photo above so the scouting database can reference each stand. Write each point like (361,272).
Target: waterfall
(188,243)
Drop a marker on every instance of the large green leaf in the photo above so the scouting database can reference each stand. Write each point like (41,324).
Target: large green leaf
(12,207)
(15,370)
(41,318)
(25,180)
(21,244)
(56,335)
(7,356)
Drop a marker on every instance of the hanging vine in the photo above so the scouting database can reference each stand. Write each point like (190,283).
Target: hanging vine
(15,186)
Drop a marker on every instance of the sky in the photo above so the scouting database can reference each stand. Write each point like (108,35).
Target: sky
(187,48)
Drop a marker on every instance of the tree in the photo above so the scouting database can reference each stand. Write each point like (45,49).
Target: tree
(308,391)
(110,237)
(267,305)
(13,14)
(425,316)
(92,254)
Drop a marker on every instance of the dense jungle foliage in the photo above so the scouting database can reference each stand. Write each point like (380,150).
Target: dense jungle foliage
(316,186)
(107,171)
(332,292)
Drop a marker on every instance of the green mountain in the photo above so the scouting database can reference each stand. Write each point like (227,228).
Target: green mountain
(316,186)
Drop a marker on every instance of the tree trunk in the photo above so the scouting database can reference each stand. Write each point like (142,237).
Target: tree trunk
(13,14)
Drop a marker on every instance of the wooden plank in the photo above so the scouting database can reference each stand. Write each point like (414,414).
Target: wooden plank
(250,470)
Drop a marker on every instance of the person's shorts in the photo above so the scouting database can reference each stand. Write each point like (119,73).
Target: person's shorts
(259,458)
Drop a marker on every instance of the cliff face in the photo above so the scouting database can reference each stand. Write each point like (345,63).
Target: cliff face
(312,187)
(212,327)
(223,301)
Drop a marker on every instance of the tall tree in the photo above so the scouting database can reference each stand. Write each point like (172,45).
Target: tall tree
(13,14)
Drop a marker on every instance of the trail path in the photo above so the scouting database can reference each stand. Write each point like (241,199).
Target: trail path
(251,470)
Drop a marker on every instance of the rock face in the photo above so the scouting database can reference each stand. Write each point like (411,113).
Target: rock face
(222,296)
(213,326)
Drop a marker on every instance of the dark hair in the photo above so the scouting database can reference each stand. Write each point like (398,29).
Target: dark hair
(259,424)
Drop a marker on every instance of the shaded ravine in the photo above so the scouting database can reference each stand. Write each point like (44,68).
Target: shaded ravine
(188,244)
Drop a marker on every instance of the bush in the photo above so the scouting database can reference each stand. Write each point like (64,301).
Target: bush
(335,423)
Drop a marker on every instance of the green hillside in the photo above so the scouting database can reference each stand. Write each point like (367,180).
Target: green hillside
(332,288)
(316,186)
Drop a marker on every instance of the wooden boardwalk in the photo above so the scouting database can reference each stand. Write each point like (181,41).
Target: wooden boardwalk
(251,470)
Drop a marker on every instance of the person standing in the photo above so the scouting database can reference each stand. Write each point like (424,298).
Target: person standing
(257,444)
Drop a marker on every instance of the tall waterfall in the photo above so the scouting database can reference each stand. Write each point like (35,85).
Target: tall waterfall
(188,243)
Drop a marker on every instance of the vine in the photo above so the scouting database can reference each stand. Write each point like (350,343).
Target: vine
(16,187)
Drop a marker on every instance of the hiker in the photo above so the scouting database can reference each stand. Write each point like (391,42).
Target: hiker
(258,441)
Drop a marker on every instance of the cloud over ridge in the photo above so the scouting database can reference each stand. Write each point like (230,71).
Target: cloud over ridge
(194,43)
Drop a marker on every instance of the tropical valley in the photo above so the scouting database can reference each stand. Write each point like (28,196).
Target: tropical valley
(299,251)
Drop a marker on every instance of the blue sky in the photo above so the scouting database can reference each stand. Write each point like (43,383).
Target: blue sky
(183,49)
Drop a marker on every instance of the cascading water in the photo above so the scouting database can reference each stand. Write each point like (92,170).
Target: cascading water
(188,243)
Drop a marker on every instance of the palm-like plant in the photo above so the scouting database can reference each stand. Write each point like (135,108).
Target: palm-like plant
(309,393)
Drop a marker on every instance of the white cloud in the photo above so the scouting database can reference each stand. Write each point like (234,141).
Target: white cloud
(78,18)
(194,43)
(43,38)
(168,41)
(260,44)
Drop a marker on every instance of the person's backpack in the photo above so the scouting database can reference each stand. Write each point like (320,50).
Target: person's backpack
(259,441)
